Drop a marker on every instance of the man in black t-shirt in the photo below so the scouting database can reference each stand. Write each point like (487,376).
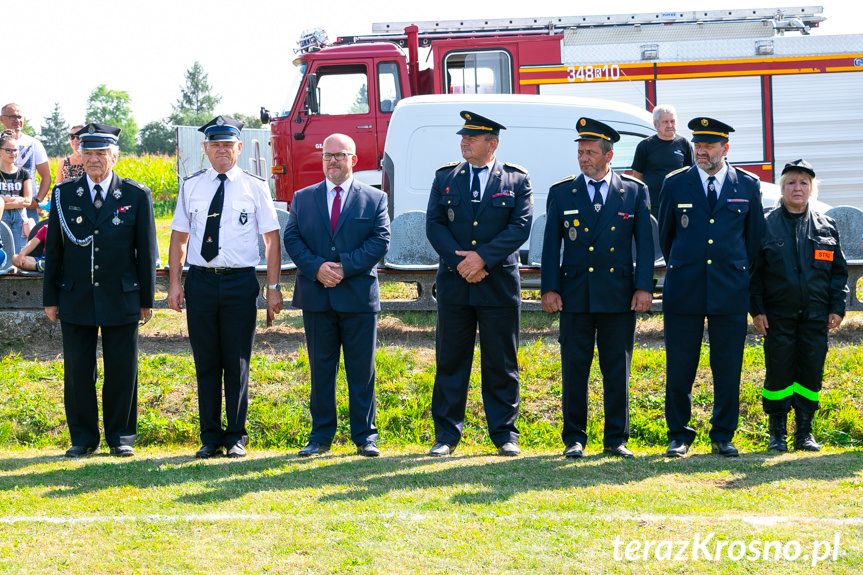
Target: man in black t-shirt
(659,155)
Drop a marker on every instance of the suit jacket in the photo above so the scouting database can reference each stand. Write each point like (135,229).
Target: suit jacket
(497,231)
(360,241)
(710,254)
(597,274)
(123,253)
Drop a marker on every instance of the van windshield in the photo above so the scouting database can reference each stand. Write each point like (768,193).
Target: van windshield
(296,82)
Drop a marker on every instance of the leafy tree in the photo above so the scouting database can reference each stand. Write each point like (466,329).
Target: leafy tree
(157,138)
(361,103)
(248,121)
(28,129)
(197,102)
(55,133)
(112,107)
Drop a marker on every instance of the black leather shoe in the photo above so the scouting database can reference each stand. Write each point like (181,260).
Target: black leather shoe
(80,451)
(237,450)
(441,450)
(313,448)
(209,450)
(509,449)
(368,449)
(122,451)
(677,448)
(574,451)
(620,450)
(724,448)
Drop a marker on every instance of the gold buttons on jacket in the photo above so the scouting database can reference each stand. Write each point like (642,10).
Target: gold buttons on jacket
(590,270)
(709,241)
(590,249)
(473,242)
(611,270)
(613,228)
(476,223)
(612,249)
(711,220)
(709,262)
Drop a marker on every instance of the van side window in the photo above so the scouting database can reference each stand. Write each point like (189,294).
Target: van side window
(484,72)
(343,90)
(389,86)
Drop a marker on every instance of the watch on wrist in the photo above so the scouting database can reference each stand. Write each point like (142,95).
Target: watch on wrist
(275,287)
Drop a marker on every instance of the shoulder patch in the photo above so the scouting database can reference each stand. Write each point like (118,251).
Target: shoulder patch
(198,173)
(515,167)
(135,184)
(566,179)
(450,165)
(750,174)
(632,178)
(678,171)
(257,177)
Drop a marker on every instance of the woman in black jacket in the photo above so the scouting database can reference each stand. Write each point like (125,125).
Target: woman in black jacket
(798,294)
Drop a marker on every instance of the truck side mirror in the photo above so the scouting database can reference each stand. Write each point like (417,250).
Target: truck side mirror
(265,115)
(312,94)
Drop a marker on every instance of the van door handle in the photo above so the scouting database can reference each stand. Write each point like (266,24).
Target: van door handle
(366,127)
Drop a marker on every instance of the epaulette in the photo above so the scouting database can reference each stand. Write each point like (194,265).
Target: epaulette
(450,165)
(678,171)
(255,176)
(198,173)
(135,184)
(750,174)
(633,178)
(66,181)
(566,179)
(515,167)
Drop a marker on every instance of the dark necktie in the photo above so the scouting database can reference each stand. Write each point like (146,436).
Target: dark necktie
(337,208)
(210,247)
(98,200)
(597,196)
(711,192)
(475,187)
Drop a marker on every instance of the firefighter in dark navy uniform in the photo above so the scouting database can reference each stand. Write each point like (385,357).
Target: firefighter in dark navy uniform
(220,213)
(798,294)
(710,226)
(479,214)
(100,275)
(596,216)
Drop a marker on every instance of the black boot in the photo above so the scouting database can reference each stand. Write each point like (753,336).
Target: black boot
(778,426)
(803,439)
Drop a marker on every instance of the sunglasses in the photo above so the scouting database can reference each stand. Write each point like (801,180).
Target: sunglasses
(73,137)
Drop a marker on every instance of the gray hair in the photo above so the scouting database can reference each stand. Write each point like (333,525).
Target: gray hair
(606,146)
(663,109)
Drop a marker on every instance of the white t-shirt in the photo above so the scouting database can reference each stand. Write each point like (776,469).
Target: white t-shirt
(31,154)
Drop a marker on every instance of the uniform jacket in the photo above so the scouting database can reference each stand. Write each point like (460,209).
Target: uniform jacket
(710,254)
(123,250)
(497,231)
(597,274)
(809,278)
(361,240)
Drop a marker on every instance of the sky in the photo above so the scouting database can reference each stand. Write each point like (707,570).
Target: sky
(246,48)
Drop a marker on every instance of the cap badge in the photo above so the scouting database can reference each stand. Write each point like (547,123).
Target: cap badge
(220,121)
(583,122)
(704,122)
(467,117)
(91,130)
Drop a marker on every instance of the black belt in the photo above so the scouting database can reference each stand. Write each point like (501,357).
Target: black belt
(222,271)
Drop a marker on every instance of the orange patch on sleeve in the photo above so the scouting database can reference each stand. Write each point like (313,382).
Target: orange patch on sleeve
(824,255)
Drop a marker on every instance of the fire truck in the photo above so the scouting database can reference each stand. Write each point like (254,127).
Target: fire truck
(787,93)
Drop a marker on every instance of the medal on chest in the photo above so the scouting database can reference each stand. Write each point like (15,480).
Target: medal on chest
(244,217)
(684,221)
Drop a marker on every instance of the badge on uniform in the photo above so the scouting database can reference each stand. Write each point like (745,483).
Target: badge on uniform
(117,194)
(116,219)
(572,233)
(566,223)
(79,219)
(450,214)
(684,221)
(244,217)
(80,191)
(575,222)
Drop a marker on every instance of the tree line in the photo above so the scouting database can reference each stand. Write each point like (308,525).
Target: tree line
(195,107)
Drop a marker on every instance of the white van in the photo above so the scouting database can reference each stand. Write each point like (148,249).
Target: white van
(540,135)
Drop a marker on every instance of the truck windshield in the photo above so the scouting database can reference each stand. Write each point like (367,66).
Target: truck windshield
(296,82)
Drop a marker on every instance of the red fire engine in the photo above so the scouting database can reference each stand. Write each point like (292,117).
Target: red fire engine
(737,65)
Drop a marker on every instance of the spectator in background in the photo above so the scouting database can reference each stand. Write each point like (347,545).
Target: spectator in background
(15,188)
(659,155)
(31,156)
(71,166)
(32,263)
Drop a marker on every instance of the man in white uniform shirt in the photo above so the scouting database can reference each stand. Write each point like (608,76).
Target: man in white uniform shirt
(220,213)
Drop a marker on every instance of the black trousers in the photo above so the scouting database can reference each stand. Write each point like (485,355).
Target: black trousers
(614,336)
(221,313)
(498,340)
(119,389)
(683,334)
(327,334)
(794,353)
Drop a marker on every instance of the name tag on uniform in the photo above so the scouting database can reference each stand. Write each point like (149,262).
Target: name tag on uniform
(569,212)
(684,205)
(824,255)
(738,201)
